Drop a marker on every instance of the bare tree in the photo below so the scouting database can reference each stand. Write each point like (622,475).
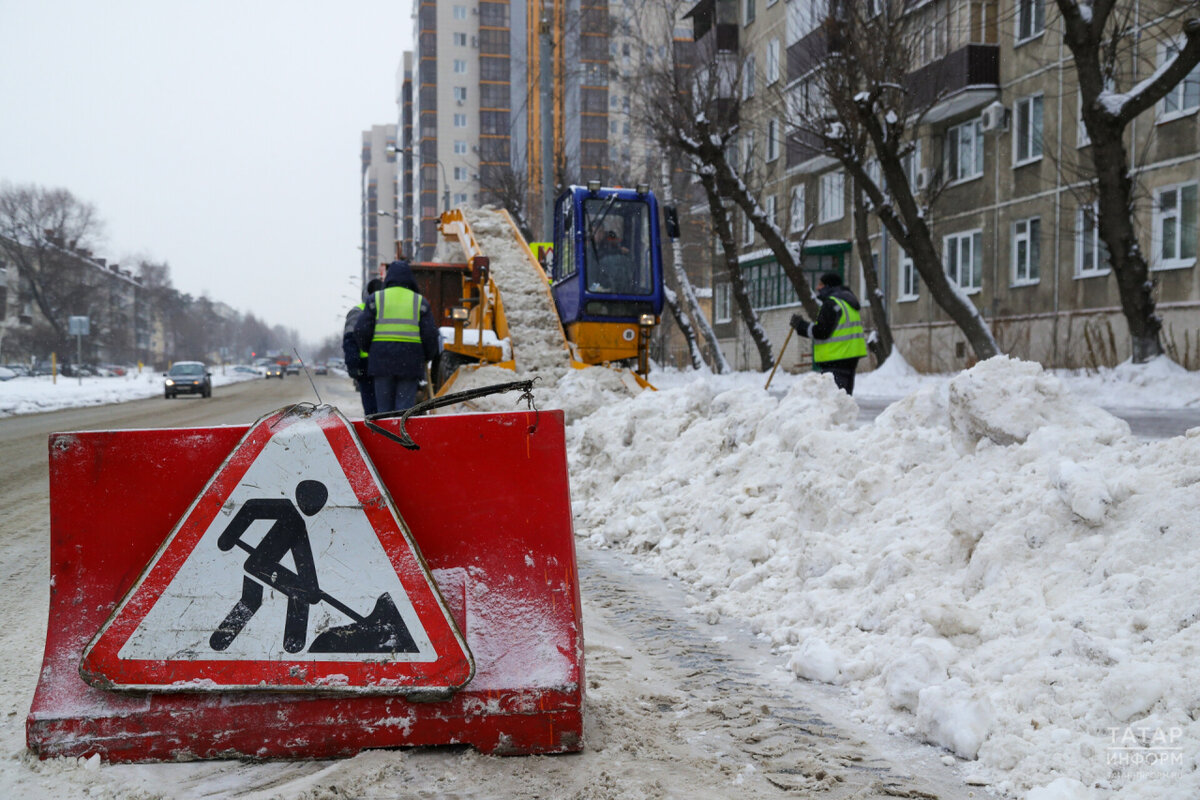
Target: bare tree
(40,232)
(856,105)
(1096,31)
(881,342)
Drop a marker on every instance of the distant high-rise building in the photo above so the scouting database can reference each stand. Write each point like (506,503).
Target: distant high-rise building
(380,211)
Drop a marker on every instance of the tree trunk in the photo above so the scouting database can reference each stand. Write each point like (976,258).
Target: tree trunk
(691,309)
(724,229)
(685,327)
(881,344)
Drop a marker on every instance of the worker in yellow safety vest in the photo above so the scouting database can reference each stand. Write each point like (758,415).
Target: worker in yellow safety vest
(355,357)
(838,339)
(397,329)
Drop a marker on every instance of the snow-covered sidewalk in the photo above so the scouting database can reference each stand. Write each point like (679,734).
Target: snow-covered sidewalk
(35,395)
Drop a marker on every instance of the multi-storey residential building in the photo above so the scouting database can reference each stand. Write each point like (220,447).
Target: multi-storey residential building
(381,214)
(1003,146)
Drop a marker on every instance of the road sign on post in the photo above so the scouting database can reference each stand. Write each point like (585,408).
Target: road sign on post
(78,327)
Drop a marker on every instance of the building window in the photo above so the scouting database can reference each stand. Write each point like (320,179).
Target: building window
(460,199)
(747,150)
(460,12)
(747,230)
(833,197)
(1026,246)
(962,255)
(911,163)
(772,61)
(770,204)
(723,303)
(748,5)
(748,78)
(1028,113)
(460,173)
(797,211)
(460,66)
(1031,18)
(460,120)
(772,139)
(1175,221)
(460,147)
(460,39)
(1184,97)
(1091,253)
(460,93)
(964,151)
(910,281)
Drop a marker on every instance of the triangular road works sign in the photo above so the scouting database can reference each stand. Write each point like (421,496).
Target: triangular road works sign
(291,571)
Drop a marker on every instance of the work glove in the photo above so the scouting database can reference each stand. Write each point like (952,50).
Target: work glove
(799,323)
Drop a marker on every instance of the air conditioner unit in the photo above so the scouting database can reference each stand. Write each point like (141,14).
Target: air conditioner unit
(994,118)
(924,178)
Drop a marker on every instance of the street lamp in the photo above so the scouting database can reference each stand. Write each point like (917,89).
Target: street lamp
(393,150)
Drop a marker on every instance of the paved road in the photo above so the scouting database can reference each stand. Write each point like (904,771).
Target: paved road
(1145,423)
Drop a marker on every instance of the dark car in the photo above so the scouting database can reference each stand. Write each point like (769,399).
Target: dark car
(187,377)
(274,371)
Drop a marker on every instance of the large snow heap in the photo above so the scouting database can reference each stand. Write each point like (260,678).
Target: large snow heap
(994,565)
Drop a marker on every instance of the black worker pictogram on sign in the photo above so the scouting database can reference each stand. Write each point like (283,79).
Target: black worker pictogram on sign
(291,570)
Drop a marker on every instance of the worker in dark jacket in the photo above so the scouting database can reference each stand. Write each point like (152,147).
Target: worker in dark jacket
(838,340)
(399,332)
(356,359)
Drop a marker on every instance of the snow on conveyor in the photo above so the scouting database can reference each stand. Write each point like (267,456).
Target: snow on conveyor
(534,332)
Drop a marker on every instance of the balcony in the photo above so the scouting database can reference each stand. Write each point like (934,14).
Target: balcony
(963,80)
(718,18)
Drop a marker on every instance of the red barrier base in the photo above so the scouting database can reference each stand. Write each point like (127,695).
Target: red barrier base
(487,502)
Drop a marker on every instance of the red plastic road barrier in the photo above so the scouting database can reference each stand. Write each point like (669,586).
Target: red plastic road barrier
(134,529)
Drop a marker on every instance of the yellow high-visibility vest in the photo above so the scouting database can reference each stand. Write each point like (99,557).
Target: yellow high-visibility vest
(397,315)
(362,307)
(847,339)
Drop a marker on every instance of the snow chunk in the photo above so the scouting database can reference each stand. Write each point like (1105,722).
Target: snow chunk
(951,715)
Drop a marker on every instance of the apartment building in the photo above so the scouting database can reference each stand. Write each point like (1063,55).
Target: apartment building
(382,220)
(1003,148)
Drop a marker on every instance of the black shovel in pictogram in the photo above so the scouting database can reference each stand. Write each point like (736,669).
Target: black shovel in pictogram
(381,631)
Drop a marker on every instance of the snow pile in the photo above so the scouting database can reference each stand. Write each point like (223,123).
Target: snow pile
(34,395)
(992,565)
(1161,383)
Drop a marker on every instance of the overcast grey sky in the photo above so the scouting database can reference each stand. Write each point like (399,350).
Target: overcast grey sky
(221,137)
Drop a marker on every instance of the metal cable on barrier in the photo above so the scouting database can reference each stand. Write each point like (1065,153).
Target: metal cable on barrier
(525,387)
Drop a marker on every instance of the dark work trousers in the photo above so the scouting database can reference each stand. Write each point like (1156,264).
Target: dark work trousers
(395,394)
(843,375)
(366,390)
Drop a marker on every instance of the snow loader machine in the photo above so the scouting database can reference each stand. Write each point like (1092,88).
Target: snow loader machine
(600,285)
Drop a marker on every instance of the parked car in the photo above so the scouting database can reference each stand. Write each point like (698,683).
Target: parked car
(187,377)
(7,374)
(274,371)
(242,369)
(20,370)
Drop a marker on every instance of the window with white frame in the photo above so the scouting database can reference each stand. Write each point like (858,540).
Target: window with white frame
(748,5)
(803,19)
(748,78)
(460,12)
(460,147)
(460,173)
(1184,97)
(911,163)
(460,40)
(963,156)
(769,204)
(460,66)
(910,281)
(1026,250)
(772,61)
(1081,136)
(1031,18)
(833,196)
(723,303)
(460,120)
(1091,253)
(1027,129)
(747,149)
(747,230)
(962,255)
(1175,220)
(460,199)
(772,139)
(796,212)
(460,93)
(874,171)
